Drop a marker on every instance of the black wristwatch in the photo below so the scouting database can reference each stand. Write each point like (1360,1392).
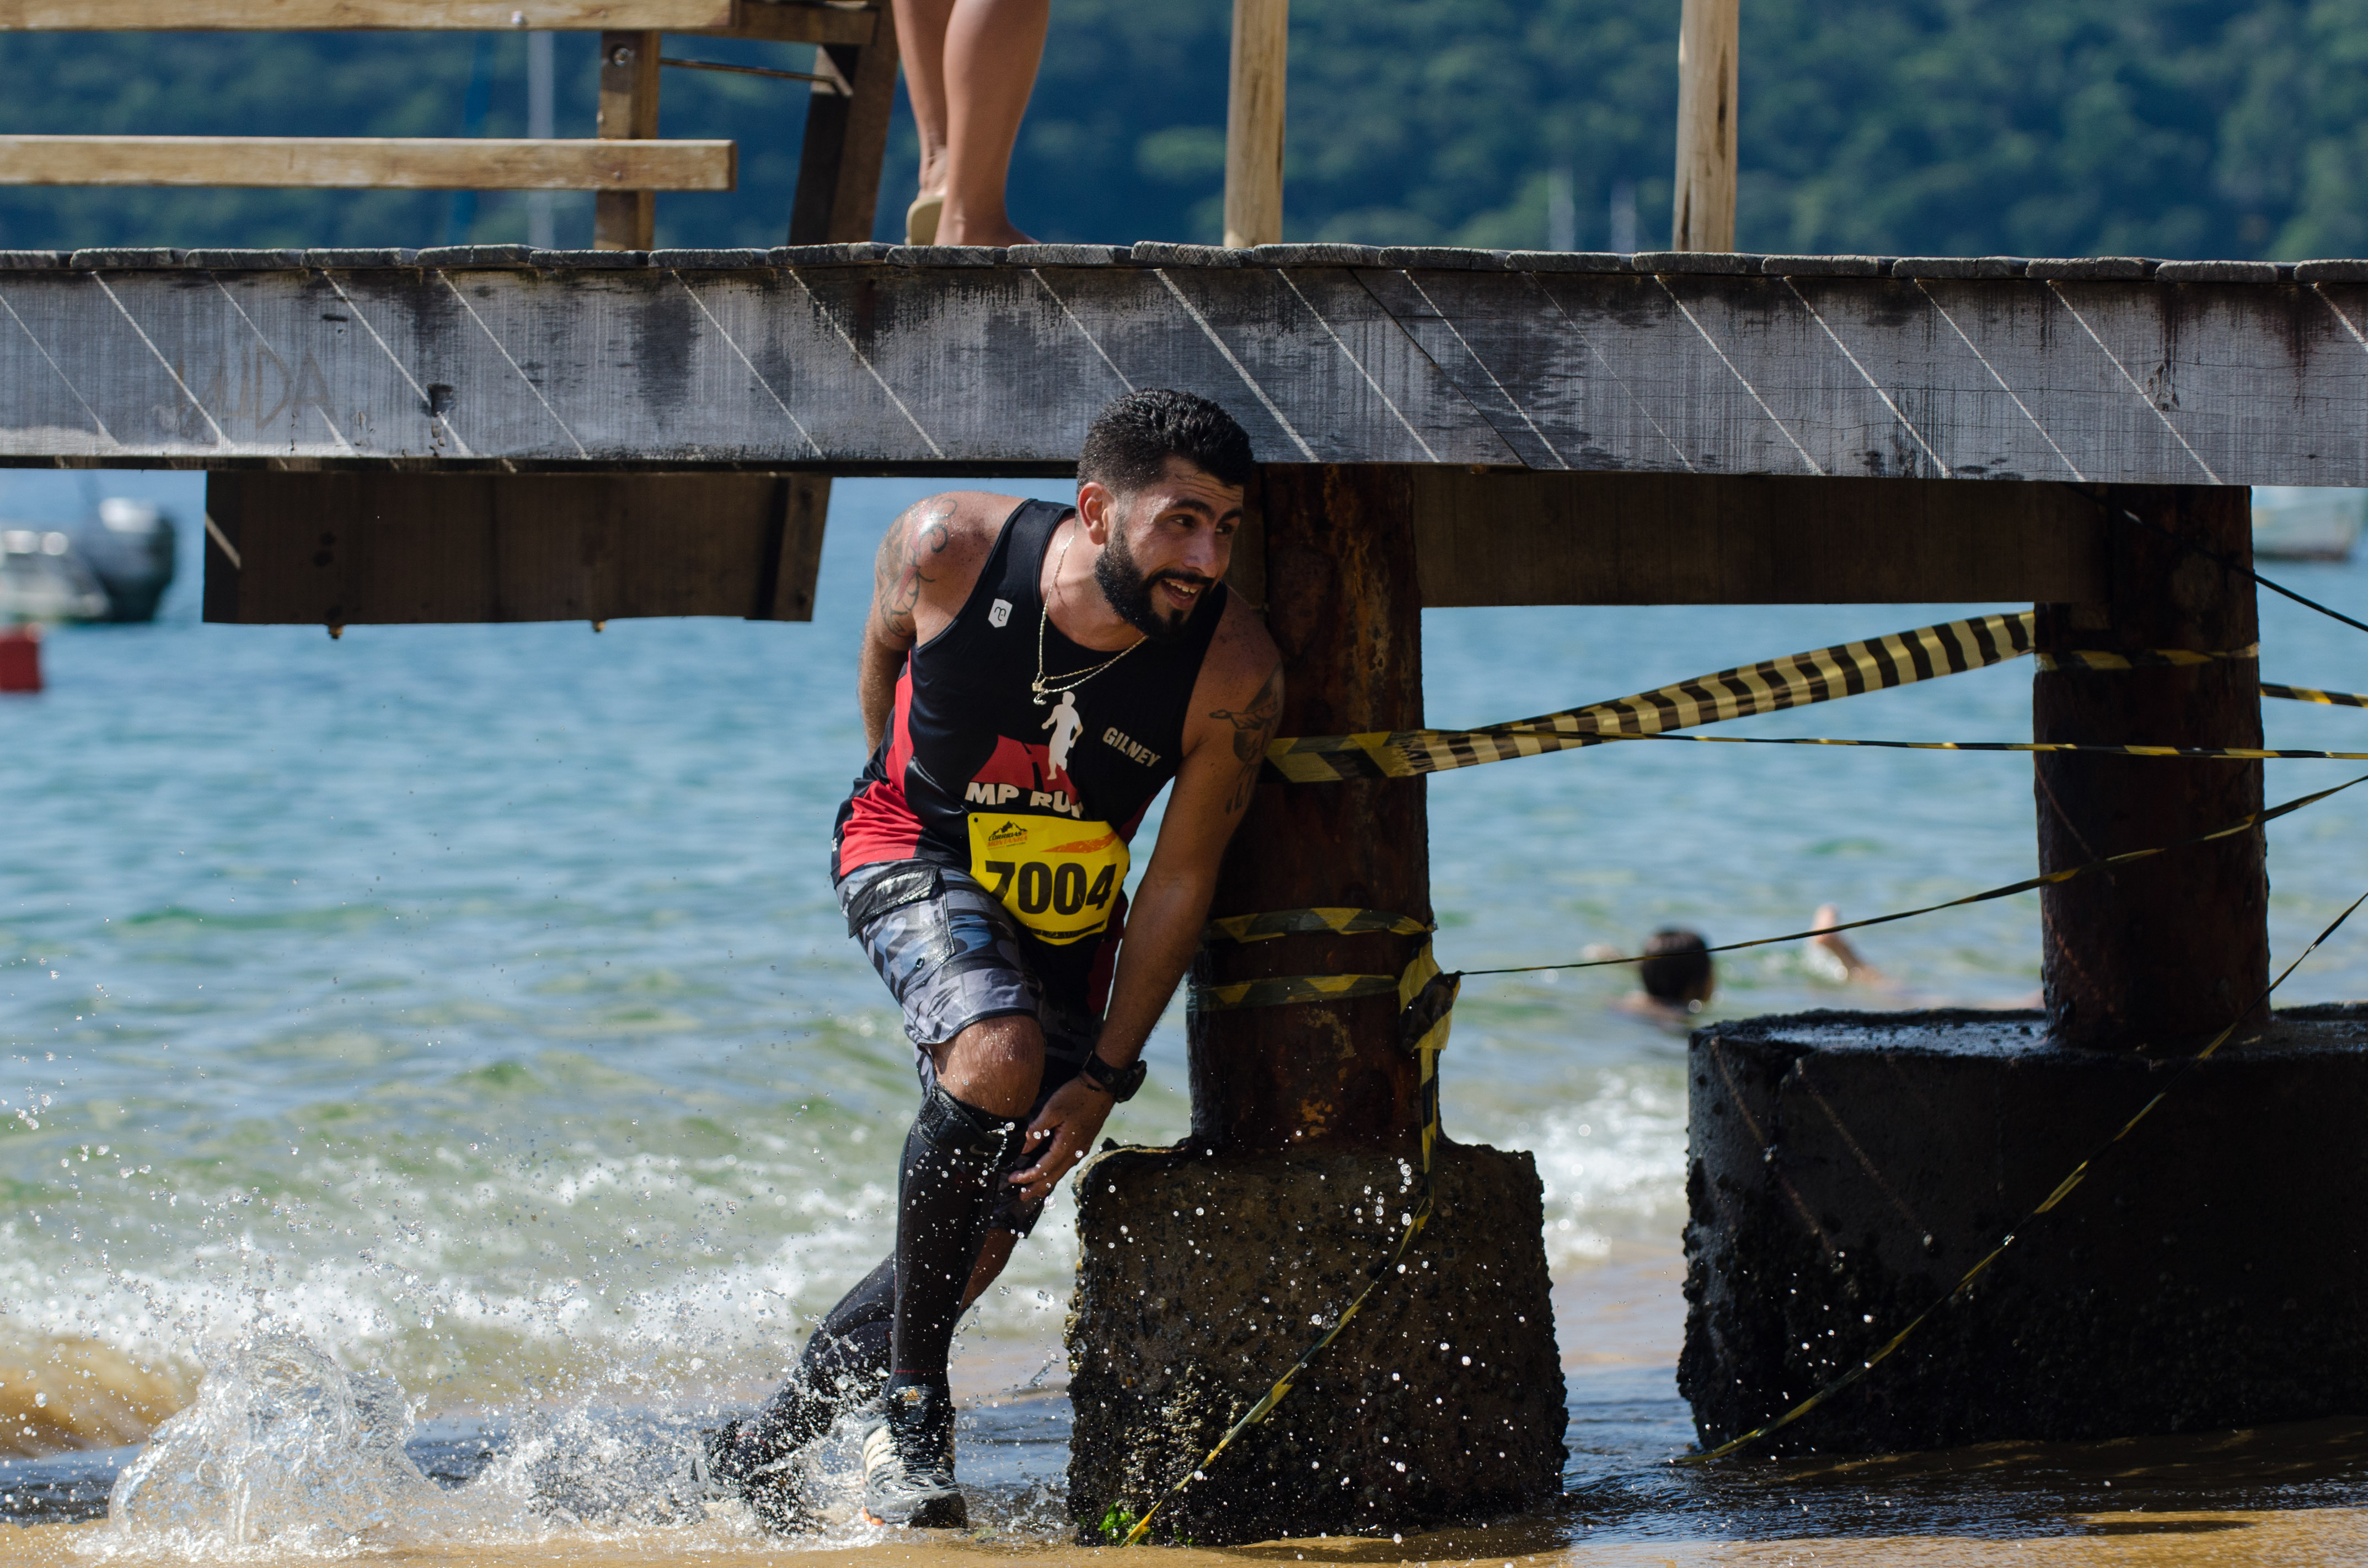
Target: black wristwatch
(1118,1083)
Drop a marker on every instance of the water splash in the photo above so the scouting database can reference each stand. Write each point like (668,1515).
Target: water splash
(286,1453)
(283,1450)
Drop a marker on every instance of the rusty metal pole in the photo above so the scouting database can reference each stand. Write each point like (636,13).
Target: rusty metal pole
(1343,605)
(2172,948)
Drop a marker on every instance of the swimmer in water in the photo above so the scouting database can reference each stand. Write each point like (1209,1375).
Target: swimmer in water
(1677,976)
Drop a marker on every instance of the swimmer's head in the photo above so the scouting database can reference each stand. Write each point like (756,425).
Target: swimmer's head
(1677,967)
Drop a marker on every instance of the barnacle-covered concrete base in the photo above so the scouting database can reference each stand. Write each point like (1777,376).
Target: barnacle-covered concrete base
(1846,1170)
(1203,1277)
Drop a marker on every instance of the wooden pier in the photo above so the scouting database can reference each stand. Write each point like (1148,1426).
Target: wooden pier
(872,358)
(500,434)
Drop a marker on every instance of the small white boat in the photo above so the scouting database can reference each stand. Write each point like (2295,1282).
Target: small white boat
(128,545)
(42,579)
(2292,523)
(112,566)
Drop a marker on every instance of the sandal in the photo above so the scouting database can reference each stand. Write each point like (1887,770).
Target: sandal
(921,219)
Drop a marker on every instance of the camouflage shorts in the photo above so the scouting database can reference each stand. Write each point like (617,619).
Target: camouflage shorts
(953,957)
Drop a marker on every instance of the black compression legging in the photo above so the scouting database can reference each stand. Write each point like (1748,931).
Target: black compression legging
(843,1365)
(946,1194)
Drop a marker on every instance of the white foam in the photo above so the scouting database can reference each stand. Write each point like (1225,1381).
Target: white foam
(1613,1164)
(282,1451)
(286,1454)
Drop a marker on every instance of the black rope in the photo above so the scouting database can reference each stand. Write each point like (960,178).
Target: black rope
(2223,563)
(2256,820)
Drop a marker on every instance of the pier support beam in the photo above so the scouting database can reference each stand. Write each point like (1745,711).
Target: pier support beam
(1207,1268)
(1344,604)
(2167,950)
(1847,1169)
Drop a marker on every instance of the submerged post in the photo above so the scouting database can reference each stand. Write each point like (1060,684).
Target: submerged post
(2176,946)
(1207,1268)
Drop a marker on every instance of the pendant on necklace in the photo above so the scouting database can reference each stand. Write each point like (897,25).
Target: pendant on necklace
(1037,686)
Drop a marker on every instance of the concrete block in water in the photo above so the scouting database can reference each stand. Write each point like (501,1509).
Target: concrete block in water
(1201,1280)
(1845,1169)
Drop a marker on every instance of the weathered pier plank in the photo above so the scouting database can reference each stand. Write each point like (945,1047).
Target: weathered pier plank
(871,359)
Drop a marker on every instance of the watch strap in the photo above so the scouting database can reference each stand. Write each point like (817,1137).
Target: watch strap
(1118,1083)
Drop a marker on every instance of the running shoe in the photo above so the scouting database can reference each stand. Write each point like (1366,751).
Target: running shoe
(908,1461)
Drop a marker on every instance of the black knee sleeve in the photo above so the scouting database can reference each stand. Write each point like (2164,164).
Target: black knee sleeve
(947,1123)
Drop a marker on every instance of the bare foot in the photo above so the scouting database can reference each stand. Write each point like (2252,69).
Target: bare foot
(955,229)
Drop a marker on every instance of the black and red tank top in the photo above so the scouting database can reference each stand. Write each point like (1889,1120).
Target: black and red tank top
(1036,801)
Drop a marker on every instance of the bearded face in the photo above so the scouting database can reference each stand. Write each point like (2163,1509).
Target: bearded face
(1159,602)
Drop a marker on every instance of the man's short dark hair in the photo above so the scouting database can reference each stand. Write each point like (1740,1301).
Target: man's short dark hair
(1130,442)
(1676,966)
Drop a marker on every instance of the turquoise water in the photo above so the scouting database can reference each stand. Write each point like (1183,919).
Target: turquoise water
(472,999)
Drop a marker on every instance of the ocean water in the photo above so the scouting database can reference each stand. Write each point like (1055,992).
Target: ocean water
(469,1002)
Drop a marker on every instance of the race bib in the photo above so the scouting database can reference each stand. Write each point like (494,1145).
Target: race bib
(1059,876)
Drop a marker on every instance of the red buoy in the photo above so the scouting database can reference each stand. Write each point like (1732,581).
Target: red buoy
(20,658)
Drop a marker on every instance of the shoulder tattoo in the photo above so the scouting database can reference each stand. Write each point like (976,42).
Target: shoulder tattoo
(897,576)
(1253,731)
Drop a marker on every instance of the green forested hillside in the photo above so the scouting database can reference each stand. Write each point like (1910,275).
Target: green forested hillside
(2170,127)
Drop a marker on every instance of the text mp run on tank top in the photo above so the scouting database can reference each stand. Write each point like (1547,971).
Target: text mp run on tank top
(1037,803)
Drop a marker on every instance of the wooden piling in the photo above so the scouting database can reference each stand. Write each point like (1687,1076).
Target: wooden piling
(1254,123)
(1344,604)
(626,220)
(846,135)
(1703,205)
(2176,946)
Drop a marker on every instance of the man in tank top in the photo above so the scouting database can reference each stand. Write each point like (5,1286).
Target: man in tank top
(1033,676)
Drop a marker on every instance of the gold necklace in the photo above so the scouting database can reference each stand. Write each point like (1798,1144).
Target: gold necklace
(1043,688)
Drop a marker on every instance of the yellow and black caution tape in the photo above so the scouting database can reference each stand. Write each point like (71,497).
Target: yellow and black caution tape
(2242,824)
(1819,675)
(2306,694)
(2155,658)
(1304,921)
(2146,659)
(1426,1008)
(2226,754)
(1770,686)
(1285,989)
(2063,1190)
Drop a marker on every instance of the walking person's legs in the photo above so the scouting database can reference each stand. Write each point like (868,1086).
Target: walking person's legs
(921,45)
(969,68)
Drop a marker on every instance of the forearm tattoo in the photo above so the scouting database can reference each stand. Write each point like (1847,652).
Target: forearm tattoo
(1253,729)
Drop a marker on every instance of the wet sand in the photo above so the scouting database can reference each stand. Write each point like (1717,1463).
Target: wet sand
(2237,1538)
